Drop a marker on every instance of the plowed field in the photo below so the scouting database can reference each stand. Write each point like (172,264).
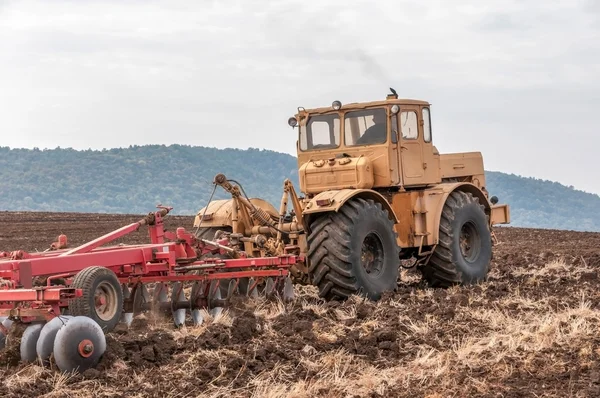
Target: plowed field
(532,330)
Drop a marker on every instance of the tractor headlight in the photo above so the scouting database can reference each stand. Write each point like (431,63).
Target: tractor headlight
(395,109)
(292,121)
(336,105)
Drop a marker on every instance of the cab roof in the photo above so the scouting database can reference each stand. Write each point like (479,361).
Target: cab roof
(363,105)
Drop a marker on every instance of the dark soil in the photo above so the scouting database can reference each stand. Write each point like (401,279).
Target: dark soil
(530,330)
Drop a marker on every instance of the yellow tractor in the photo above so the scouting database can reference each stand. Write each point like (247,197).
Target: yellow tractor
(375,191)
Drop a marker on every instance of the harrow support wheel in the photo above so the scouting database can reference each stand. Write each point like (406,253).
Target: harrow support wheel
(464,252)
(353,251)
(102,298)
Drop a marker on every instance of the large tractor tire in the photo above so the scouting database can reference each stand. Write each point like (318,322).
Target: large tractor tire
(353,251)
(464,251)
(209,233)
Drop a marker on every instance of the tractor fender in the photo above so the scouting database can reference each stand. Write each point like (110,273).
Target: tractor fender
(333,200)
(447,189)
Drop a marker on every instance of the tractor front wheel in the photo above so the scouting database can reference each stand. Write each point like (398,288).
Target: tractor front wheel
(464,251)
(353,251)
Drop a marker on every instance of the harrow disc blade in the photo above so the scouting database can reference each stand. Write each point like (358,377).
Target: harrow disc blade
(140,297)
(79,345)
(29,342)
(177,294)
(198,296)
(196,299)
(243,286)
(252,289)
(159,295)
(197,318)
(126,317)
(45,342)
(232,288)
(269,287)
(288,289)
(6,324)
(214,294)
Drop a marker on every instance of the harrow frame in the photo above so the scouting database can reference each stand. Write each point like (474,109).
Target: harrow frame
(160,261)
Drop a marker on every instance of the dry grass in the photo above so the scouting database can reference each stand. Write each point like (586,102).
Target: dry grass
(503,337)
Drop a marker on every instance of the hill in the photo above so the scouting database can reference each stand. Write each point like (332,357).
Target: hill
(537,203)
(135,179)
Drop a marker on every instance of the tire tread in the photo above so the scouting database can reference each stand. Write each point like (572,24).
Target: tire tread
(330,248)
(441,271)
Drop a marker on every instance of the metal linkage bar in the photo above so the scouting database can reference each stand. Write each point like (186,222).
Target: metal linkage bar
(39,295)
(39,303)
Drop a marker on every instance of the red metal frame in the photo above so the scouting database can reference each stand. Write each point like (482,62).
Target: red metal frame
(158,261)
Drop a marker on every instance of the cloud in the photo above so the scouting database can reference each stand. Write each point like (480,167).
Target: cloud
(517,80)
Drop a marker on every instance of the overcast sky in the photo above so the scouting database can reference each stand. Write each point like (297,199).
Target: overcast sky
(517,80)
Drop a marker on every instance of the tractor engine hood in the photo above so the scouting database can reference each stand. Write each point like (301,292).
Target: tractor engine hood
(318,175)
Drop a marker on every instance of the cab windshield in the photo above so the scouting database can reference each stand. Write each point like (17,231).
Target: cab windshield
(365,127)
(320,132)
(361,127)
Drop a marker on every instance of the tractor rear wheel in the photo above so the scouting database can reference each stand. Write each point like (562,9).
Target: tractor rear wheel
(464,251)
(209,233)
(353,251)
(102,298)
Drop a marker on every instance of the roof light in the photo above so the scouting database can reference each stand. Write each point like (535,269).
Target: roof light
(395,108)
(292,122)
(336,105)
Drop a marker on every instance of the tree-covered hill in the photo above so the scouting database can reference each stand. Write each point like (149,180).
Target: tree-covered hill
(545,204)
(135,179)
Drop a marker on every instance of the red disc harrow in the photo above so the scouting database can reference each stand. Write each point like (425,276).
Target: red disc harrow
(71,297)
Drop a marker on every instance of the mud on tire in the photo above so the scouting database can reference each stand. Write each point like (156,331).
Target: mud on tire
(353,251)
(464,251)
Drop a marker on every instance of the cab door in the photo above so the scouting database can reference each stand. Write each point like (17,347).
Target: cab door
(430,155)
(411,142)
(395,162)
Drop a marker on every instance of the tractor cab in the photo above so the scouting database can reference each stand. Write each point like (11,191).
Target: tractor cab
(390,138)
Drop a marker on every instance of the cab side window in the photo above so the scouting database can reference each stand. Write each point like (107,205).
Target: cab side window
(409,125)
(426,125)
